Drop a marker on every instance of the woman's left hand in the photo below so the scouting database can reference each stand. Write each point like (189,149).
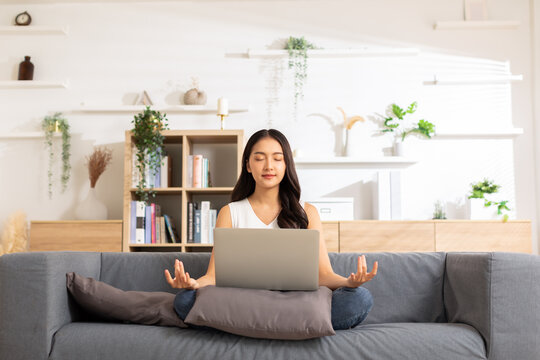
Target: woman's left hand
(362,276)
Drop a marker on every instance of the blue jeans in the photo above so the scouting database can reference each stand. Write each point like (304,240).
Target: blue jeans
(350,306)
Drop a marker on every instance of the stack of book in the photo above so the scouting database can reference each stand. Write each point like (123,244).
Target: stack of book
(201,223)
(149,226)
(161,179)
(198,172)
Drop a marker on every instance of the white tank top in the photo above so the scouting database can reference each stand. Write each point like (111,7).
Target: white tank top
(243,216)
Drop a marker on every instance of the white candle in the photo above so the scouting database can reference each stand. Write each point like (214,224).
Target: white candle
(222,106)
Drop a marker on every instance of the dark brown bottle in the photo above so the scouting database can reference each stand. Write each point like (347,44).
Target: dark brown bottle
(26,69)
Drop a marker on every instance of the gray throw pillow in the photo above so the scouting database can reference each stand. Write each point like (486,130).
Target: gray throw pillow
(140,307)
(290,315)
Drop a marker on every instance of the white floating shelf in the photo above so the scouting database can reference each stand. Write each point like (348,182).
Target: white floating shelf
(476,25)
(329,53)
(26,135)
(476,80)
(164,109)
(354,162)
(506,134)
(33,30)
(32,84)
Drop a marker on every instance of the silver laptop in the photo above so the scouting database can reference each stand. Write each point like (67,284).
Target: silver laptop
(272,259)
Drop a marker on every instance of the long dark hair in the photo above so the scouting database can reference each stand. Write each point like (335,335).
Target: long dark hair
(292,214)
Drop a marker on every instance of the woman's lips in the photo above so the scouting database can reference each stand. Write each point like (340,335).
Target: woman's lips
(268,176)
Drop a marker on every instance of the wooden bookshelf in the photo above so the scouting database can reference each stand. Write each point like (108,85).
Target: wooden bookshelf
(223,148)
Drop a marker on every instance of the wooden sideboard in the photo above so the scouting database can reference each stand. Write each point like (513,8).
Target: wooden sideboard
(87,235)
(429,235)
(340,236)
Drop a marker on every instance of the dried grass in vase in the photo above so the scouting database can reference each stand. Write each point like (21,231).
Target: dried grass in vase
(97,163)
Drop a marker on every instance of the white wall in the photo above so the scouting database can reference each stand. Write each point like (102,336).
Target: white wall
(115,50)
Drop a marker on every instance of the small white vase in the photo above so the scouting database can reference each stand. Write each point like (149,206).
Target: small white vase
(91,208)
(400,149)
(477,210)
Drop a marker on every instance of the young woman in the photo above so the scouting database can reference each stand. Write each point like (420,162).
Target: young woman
(267,195)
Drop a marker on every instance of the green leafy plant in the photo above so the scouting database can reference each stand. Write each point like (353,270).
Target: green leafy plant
(297,48)
(479,191)
(51,125)
(147,128)
(439,213)
(392,123)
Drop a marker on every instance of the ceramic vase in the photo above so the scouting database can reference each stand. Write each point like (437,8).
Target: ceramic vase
(400,149)
(477,211)
(91,208)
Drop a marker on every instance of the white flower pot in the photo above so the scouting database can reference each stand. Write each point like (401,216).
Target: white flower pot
(91,208)
(400,149)
(477,211)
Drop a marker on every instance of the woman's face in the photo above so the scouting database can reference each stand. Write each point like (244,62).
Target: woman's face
(266,163)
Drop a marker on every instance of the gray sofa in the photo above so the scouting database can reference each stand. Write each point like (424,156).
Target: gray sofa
(426,306)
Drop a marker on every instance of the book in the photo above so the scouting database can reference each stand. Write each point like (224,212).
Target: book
(190,171)
(205,222)
(213,218)
(197,171)
(165,172)
(153,223)
(162,231)
(191,209)
(132,222)
(140,222)
(197,227)
(205,173)
(147,224)
(171,229)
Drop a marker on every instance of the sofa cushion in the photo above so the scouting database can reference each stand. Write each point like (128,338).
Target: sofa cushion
(85,341)
(408,286)
(108,302)
(291,315)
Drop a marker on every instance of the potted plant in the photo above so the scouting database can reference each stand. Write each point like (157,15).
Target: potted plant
(297,48)
(147,127)
(392,122)
(91,208)
(52,125)
(438,212)
(479,205)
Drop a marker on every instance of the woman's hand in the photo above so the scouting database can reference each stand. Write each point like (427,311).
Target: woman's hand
(181,280)
(362,276)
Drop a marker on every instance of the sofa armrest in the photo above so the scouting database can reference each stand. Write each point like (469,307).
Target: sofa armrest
(34,301)
(499,295)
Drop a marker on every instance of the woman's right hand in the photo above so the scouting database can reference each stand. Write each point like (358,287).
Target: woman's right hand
(181,280)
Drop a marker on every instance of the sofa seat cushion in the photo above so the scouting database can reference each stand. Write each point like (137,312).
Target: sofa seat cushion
(376,341)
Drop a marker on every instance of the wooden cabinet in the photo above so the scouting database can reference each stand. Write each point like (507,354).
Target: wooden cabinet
(330,233)
(393,236)
(435,235)
(512,236)
(100,236)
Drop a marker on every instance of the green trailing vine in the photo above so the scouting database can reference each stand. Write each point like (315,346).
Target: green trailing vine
(392,123)
(481,188)
(147,127)
(297,48)
(51,125)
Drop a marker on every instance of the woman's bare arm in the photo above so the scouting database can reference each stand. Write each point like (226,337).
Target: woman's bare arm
(327,277)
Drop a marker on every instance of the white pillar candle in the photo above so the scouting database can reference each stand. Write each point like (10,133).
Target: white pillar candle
(222,106)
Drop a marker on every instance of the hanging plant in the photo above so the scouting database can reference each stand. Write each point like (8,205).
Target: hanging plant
(297,48)
(51,125)
(147,127)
